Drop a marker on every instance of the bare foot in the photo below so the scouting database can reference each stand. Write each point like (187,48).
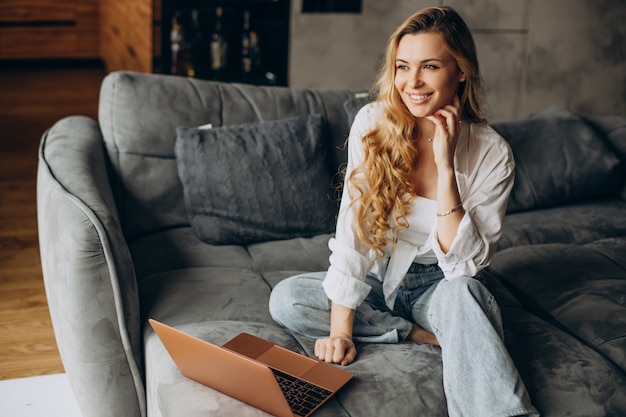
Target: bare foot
(420,335)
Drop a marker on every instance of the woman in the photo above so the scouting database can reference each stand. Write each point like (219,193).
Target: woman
(425,192)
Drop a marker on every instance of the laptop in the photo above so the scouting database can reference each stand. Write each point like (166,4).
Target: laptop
(255,371)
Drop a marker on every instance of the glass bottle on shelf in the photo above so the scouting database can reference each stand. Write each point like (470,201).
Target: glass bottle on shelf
(180,48)
(194,37)
(219,46)
(176,41)
(246,59)
(250,52)
(255,54)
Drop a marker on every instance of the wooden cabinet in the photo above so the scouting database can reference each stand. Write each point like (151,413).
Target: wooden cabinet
(49,29)
(120,32)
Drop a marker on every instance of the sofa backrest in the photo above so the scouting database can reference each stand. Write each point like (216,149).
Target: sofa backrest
(613,129)
(139,114)
(561,158)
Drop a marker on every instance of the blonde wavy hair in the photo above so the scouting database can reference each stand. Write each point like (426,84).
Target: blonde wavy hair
(381,183)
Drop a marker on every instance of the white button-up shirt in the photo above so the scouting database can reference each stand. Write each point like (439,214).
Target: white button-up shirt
(484,168)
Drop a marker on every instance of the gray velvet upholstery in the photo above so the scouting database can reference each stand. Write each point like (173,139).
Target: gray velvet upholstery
(139,115)
(580,288)
(579,223)
(117,248)
(559,159)
(256,182)
(88,272)
(613,128)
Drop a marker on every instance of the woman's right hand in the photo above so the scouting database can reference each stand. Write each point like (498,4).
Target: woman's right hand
(338,347)
(339,350)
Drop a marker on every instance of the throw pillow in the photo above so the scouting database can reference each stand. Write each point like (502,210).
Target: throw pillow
(559,159)
(256,182)
(354,104)
(613,128)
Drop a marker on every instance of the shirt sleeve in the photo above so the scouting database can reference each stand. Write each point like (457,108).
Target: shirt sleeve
(485,198)
(350,258)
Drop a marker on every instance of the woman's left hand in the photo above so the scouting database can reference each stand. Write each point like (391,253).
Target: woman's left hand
(447,124)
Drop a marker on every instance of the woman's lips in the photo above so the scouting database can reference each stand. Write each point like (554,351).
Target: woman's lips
(419,98)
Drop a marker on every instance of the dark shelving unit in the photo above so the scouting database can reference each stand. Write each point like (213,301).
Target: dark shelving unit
(269,19)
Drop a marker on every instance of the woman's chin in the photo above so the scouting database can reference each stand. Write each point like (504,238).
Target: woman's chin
(419,112)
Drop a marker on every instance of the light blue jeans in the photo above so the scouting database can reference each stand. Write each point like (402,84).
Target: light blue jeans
(479,376)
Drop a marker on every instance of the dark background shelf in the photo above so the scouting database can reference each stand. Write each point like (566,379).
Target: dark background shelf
(268,18)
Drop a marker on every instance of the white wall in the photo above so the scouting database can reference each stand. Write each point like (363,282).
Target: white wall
(533,53)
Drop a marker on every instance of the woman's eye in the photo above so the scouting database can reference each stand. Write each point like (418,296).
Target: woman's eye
(402,67)
(430,66)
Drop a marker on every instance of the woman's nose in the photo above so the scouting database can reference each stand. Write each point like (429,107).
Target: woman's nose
(416,79)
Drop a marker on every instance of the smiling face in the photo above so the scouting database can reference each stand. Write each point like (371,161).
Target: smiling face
(427,76)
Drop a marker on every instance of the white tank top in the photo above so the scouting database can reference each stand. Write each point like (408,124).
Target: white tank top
(422,219)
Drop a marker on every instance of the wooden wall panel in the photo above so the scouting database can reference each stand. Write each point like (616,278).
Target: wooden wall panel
(126,39)
(36,11)
(157,27)
(49,29)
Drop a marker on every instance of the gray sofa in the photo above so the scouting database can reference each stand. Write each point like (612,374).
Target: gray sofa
(133,226)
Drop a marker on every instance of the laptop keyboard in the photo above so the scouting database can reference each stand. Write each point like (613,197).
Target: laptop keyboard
(302,396)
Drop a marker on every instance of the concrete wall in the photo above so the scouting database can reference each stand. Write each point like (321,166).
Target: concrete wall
(532,53)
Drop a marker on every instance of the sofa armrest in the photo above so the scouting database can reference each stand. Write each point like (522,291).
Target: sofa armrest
(88,272)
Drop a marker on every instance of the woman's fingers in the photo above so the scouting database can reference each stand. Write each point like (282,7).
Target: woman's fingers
(449,116)
(335,350)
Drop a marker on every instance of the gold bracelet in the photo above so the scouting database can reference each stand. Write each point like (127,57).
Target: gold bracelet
(445,213)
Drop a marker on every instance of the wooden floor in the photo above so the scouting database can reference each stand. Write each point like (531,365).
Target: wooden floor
(32,97)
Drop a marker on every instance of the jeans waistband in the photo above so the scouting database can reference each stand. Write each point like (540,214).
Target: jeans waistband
(416,268)
(420,275)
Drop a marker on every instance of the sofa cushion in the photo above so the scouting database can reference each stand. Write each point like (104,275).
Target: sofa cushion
(579,288)
(577,223)
(559,159)
(354,104)
(304,254)
(613,128)
(258,181)
(180,248)
(564,376)
(139,114)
